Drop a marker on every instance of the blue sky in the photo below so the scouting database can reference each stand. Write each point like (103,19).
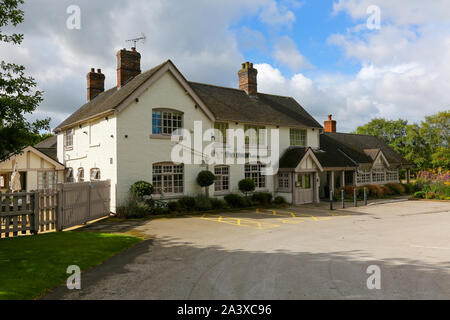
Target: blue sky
(320,52)
(314,23)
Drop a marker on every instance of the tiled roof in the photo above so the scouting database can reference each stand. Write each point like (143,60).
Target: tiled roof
(108,100)
(226,104)
(360,148)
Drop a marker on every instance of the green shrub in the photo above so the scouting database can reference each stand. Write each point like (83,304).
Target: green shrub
(141,189)
(262,198)
(202,203)
(419,194)
(396,188)
(217,204)
(187,203)
(160,211)
(409,188)
(205,179)
(235,200)
(173,206)
(133,209)
(246,186)
(279,200)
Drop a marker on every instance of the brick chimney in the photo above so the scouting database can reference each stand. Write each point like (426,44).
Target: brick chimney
(128,65)
(330,125)
(95,83)
(247,79)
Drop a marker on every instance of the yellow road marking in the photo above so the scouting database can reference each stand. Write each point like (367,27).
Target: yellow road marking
(240,222)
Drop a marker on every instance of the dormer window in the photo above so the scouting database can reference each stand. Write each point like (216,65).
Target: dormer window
(68,139)
(165,122)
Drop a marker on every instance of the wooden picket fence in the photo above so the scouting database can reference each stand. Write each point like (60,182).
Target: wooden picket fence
(27,213)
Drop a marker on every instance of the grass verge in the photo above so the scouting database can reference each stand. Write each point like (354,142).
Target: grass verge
(31,265)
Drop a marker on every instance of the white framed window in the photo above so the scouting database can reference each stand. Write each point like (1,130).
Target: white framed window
(222,178)
(95,174)
(47,180)
(362,177)
(80,175)
(297,137)
(255,135)
(377,175)
(68,139)
(165,121)
(284,181)
(253,171)
(168,178)
(392,175)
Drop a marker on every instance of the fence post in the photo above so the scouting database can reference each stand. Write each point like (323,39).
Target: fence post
(36,210)
(331,199)
(342,197)
(59,210)
(355,200)
(365,196)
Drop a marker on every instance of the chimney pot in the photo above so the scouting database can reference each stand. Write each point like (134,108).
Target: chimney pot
(330,125)
(95,83)
(128,65)
(248,79)
(99,70)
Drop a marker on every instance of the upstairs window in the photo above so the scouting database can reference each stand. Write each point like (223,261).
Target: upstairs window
(166,122)
(256,135)
(68,139)
(297,137)
(222,128)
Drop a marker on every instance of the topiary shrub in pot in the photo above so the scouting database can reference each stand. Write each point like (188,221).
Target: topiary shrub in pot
(246,186)
(205,179)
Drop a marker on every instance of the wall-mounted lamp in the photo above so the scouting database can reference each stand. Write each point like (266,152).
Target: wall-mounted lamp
(106,118)
(85,132)
(126,136)
(137,100)
(112,136)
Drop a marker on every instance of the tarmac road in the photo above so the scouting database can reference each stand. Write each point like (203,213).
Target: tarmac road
(298,253)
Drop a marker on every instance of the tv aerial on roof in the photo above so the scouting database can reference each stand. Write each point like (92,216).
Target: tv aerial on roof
(142,39)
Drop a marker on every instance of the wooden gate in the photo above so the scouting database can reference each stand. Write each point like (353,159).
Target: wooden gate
(82,202)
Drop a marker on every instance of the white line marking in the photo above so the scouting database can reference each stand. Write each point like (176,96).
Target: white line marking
(415,246)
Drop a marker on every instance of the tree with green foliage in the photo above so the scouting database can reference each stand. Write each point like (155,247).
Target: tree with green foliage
(18,96)
(426,145)
(205,179)
(393,132)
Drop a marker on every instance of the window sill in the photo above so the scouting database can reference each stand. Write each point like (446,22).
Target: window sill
(221,193)
(160,136)
(94,145)
(261,190)
(167,196)
(68,148)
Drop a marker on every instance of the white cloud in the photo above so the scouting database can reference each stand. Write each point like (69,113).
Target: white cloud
(286,53)
(277,15)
